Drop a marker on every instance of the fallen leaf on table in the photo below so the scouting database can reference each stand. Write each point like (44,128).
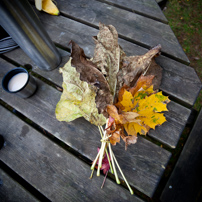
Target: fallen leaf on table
(77,99)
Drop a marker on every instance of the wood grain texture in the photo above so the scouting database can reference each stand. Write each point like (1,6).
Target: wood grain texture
(144,161)
(131,26)
(148,8)
(185,181)
(179,81)
(168,134)
(57,174)
(10,190)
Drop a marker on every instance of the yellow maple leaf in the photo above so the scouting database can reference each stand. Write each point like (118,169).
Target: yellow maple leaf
(147,104)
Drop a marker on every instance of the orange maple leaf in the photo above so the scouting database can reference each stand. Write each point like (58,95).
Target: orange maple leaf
(139,108)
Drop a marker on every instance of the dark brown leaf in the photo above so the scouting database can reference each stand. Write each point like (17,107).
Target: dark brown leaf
(156,71)
(89,73)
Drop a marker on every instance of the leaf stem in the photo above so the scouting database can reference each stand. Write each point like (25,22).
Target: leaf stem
(95,161)
(113,165)
(102,149)
(91,176)
(109,160)
(101,133)
(131,191)
(104,180)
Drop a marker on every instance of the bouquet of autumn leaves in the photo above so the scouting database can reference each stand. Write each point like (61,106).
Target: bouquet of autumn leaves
(113,89)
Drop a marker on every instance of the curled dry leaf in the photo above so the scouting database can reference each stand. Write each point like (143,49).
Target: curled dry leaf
(89,73)
(115,138)
(134,66)
(130,139)
(77,99)
(123,117)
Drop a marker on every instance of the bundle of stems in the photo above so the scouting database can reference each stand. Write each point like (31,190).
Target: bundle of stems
(110,156)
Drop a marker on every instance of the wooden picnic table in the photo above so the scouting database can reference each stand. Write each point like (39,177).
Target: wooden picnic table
(44,159)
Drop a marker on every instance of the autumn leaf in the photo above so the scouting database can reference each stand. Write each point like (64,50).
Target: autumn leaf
(115,138)
(123,117)
(117,132)
(108,54)
(129,140)
(138,109)
(156,71)
(148,105)
(89,73)
(143,82)
(77,99)
(134,66)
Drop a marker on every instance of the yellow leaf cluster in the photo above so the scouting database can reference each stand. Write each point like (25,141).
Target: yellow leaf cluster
(148,105)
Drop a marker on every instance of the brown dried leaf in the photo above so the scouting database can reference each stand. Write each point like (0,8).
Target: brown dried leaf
(89,73)
(124,117)
(134,66)
(143,81)
(108,54)
(115,138)
(129,140)
(156,71)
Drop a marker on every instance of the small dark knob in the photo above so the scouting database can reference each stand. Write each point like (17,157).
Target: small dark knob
(1,141)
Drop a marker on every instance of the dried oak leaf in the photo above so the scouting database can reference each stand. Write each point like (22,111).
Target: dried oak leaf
(108,54)
(134,66)
(89,73)
(77,99)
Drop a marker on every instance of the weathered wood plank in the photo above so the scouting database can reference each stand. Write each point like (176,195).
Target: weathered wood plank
(185,181)
(10,190)
(129,25)
(176,117)
(179,81)
(176,80)
(57,174)
(168,134)
(148,8)
(144,161)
